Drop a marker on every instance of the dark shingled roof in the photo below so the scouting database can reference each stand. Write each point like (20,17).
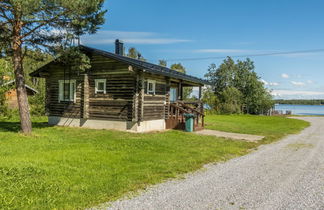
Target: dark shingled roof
(146,66)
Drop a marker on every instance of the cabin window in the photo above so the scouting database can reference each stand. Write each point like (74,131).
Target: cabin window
(100,86)
(173,94)
(151,86)
(67,90)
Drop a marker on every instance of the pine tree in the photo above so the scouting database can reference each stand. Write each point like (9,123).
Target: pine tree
(46,25)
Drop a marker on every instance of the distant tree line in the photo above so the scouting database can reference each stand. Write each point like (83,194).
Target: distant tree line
(300,101)
(236,88)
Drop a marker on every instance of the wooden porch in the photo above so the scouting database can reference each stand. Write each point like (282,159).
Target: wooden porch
(175,114)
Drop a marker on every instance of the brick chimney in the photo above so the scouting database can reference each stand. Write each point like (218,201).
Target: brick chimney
(119,47)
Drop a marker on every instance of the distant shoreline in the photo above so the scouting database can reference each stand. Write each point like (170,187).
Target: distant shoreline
(301,109)
(300,101)
(301,104)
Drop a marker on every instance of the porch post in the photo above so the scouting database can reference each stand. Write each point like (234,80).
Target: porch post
(167,99)
(180,91)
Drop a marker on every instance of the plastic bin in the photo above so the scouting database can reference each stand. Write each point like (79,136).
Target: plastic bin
(189,124)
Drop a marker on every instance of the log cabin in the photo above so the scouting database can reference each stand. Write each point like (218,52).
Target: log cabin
(11,94)
(120,93)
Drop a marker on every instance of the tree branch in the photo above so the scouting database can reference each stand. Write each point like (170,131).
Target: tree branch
(32,42)
(43,24)
(4,15)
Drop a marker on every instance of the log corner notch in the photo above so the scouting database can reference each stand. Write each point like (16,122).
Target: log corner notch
(139,98)
(85,97)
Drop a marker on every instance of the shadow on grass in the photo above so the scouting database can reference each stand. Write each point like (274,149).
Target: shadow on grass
(15,126)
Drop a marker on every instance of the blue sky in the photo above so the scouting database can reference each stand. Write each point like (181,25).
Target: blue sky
(178,29)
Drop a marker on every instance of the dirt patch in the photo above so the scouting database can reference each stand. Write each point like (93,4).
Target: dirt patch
(237,136)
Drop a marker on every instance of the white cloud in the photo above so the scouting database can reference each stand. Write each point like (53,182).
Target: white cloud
(269,83)
(310,82)
(264,82)
(297,83)
(222,51)
(273,84)
(284,75)
(129,37)
(293,94)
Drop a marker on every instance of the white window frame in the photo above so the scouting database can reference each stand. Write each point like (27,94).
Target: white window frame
(153,82)
(72,86)
(97,81)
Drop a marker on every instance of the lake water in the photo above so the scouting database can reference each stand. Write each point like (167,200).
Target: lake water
(302,109)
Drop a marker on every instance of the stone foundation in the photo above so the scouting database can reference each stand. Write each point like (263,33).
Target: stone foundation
(145,126)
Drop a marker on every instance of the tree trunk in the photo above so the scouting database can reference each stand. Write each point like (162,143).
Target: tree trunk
(25,121)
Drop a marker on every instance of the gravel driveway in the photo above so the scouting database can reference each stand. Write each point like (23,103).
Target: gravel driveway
(288,174)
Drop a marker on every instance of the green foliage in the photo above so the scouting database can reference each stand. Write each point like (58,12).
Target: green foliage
(3,105)
(32,61)
(231,100)
(71,168)
(5,71)
(178,67)
(210,99)
(163,63)
(49,24)
(133,53)
(254,98)
(75,59)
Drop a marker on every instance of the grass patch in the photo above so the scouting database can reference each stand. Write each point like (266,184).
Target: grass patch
(72,168)
(273,128)
(69,168)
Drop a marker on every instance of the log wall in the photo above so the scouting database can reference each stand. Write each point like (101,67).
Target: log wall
(154,104)
(53,106)
(126,97)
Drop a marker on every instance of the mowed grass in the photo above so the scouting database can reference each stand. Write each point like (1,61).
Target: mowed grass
(273,128)
(69,168)
(73,168)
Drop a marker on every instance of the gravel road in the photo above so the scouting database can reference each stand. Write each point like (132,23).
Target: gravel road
(288,174)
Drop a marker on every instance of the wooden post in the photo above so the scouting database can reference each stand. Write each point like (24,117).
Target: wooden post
(85,96)
(199,95)
(180,91)
(167,104)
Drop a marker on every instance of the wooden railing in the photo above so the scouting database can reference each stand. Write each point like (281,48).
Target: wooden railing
(176,111)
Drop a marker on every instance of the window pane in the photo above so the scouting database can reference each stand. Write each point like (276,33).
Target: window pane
(150,86)
(173,94)
(101,86)
(66,91)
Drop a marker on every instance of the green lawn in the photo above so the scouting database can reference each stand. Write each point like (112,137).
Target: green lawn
(273,128)
(68,168)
